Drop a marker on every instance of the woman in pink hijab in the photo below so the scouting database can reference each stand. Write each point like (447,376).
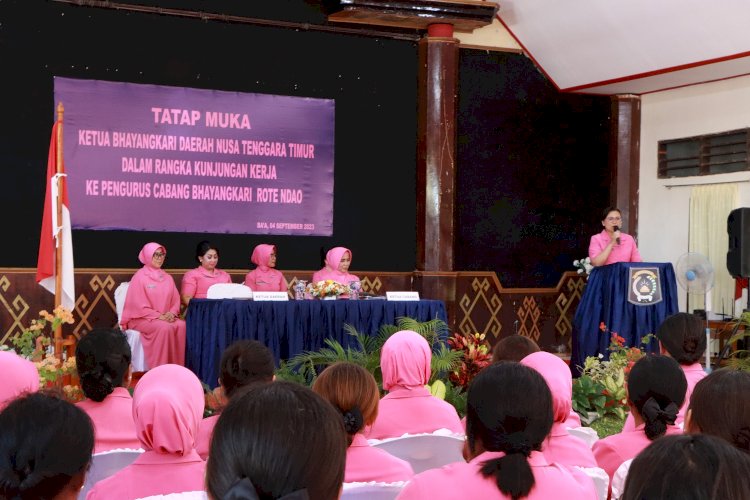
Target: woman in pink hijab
(167,408)
(409,407)
(560,447)
(338,260)
(264,278)
(19,376)
(152,306)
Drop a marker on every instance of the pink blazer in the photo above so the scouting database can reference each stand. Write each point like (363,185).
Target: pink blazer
(414,411)
(195,283)
(205,431)
(625,251)
(562,448)
(365,463)
(269,280)
(113,421)
(465,480)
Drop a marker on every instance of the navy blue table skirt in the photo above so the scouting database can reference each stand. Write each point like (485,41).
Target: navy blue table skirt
(287,328)
(605,300)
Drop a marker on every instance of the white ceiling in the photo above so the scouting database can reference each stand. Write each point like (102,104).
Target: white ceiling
(632,46)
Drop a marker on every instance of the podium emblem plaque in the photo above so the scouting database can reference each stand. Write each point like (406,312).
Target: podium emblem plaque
(645,286)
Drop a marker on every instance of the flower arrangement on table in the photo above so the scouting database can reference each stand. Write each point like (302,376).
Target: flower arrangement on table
(583,266)
(476,355)
(326,288)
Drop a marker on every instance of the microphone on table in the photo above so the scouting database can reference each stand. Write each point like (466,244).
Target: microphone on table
(617,228)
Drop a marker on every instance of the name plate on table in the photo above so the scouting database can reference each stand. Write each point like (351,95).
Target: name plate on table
(265,296)
(402,296)
(645,286)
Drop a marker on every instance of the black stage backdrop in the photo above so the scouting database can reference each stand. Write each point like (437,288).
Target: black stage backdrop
(532,164)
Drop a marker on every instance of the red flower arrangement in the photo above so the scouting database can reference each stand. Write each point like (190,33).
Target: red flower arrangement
(476,355)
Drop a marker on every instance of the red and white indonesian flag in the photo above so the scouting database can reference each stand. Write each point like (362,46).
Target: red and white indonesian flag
(46,268)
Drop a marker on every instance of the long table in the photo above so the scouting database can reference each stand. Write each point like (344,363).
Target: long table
(289,327)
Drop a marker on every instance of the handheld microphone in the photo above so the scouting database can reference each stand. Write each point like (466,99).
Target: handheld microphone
(615,229)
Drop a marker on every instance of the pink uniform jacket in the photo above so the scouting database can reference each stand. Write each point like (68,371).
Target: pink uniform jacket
(205,431)
(625,251)
(114,426)
(19,376)
(365,463)
(195,283)
(264,278)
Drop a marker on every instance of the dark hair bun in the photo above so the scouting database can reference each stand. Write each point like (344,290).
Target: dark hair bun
(353,420)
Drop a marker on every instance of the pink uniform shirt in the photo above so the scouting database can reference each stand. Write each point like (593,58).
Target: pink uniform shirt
(114,426)
(465,480)
(205,431)
(625,251)
(167,408)
(365,463)
(331,270)
(195,283)
(264,278)
(560,447)
(151,293)
(19,376)
(409,407)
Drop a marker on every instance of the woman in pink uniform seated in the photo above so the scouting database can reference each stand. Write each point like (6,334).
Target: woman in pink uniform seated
(560,447)
(167,407)
(152,306)
(103,363)
(353,391)
(509,414)
(409,407)
(611,245)
(19,376)
(196,282)
(656,390)
(264,278)
(338,260)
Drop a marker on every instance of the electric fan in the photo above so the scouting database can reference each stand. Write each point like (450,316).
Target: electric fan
(695,274)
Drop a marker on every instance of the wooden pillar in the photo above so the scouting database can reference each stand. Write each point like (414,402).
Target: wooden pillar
(624,158)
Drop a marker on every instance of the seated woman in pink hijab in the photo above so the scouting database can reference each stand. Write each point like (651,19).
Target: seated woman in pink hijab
(103,364)
(19,376)
(338,260)
(560,447)
(352,390)
(167,408)
(409,407)
(152,306)
(195,283)
(264,278)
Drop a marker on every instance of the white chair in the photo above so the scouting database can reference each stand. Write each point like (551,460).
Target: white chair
(229,291)
(106,464)
(424,451)
(138,358)
(618,479)
(600,478)
(371,491)
(587,434)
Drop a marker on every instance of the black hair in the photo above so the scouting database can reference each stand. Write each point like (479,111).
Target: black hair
(683,335)
(102,360)
(719,405)
(509,409)
(245,362)
(607,210)
(45,443)
(688,467)
(203,247)
(278,438)
(513,348)
(656,388)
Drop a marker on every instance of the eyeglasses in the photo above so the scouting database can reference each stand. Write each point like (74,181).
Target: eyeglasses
(159,255)
(613,219)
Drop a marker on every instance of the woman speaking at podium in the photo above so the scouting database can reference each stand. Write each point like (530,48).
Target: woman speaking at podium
(612,246)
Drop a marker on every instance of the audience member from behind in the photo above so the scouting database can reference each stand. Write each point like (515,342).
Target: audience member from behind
(167,407)
(656,389)
(152,306)
(560,447)
(243,363)
(337,262)
(264,278)
(103,363)
(196,282)
(352,390)
(513,348)
(720,406)
(19,377)
(45,448)
(509,414)
(689,467)
(275,441)
(409,407)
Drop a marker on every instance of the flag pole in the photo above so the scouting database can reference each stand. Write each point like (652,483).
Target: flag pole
(58,230)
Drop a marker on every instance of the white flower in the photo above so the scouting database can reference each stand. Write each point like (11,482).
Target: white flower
(575,263)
